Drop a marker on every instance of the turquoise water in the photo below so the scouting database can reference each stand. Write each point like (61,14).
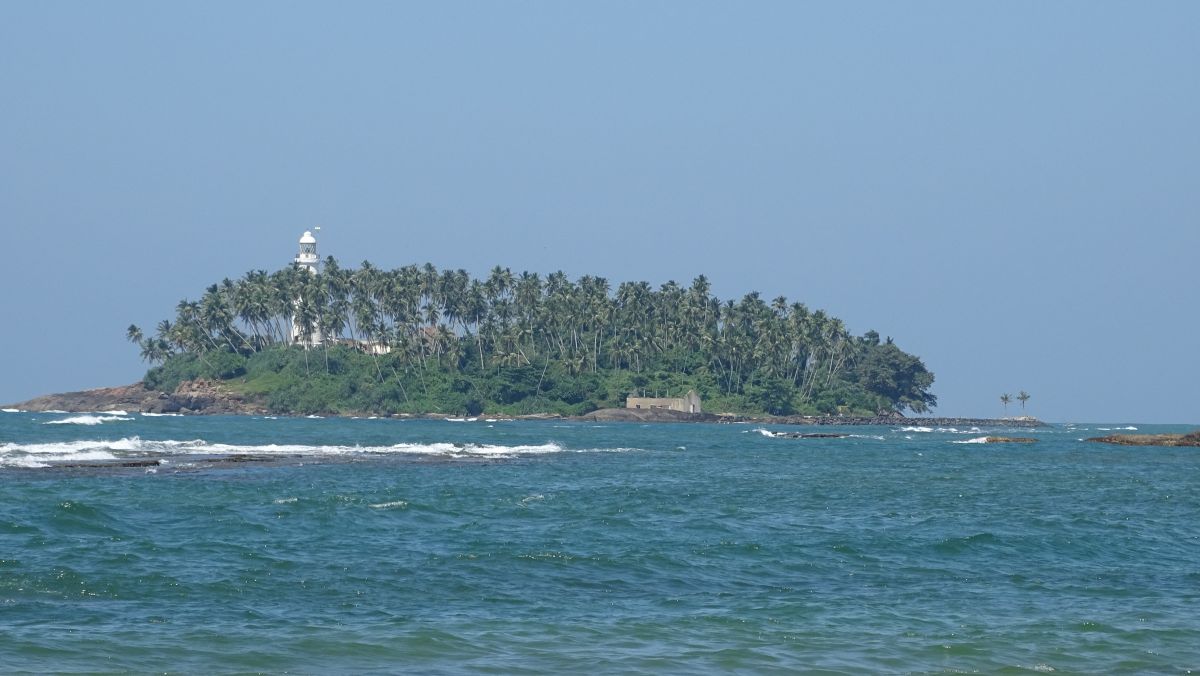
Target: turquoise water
(492,546)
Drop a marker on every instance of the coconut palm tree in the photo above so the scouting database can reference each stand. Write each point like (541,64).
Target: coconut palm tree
(431,318)
(1023,397)
(1005,399)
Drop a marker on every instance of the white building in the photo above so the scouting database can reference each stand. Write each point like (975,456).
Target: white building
(688,403)
(306,259)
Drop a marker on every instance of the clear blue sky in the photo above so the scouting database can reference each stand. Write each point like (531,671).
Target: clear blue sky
(1010,190)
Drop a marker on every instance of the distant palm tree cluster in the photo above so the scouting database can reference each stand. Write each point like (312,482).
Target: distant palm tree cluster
(429,319)
(1006,399)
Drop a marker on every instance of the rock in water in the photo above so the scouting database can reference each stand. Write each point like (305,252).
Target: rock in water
(1189,439)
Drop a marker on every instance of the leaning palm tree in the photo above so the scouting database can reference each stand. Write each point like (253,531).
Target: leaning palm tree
(1005,399)
(1023,397)
(133,334)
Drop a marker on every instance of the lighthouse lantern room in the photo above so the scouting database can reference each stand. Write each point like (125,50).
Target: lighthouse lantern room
(307,258)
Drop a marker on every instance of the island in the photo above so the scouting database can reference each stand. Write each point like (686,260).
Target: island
(315,337)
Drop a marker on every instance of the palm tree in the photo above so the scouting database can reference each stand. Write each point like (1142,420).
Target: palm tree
(1023,397)
(1005,399)
(520,320)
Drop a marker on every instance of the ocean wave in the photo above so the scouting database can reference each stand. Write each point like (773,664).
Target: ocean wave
(11,410)
(939,430)
(976,440)
(765,432)
(43,455)
(394,504)
(88,420)
(162,415)
(13,454)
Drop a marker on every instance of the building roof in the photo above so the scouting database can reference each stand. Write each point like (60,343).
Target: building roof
(307,238)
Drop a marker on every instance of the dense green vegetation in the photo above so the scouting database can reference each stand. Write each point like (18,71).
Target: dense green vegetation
(520,344)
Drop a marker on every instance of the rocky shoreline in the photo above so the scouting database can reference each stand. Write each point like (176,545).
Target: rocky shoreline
(202,397)
(664,415)
(191,397)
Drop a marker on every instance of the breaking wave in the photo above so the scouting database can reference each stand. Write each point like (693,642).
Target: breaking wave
(89,419)
(940,430)
(39,455)
(976,440)
(11,410)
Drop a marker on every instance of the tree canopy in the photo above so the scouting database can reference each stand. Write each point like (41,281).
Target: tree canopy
(374,339)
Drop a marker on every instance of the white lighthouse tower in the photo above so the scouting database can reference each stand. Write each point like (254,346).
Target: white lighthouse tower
(308,260)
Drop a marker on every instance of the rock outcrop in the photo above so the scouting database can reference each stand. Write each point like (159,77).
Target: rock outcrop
(1189,439)
(197,396)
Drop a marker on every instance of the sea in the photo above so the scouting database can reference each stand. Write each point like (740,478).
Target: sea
(139,543)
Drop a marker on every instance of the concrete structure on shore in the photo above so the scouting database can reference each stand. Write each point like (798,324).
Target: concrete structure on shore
(688,403)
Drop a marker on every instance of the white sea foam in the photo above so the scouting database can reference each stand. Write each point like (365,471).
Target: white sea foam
(314,417)
(87,420)
(286,501)
(13,454)
(11,410)
(42,455)
(113,412)
(25,461)
(866,436)
(764,432)
(162,415)
(394,504)
(976,440)
(939,430)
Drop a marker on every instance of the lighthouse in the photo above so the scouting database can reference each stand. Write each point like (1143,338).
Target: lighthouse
(306,259)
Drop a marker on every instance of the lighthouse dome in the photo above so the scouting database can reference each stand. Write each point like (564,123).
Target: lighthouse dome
(307,238)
